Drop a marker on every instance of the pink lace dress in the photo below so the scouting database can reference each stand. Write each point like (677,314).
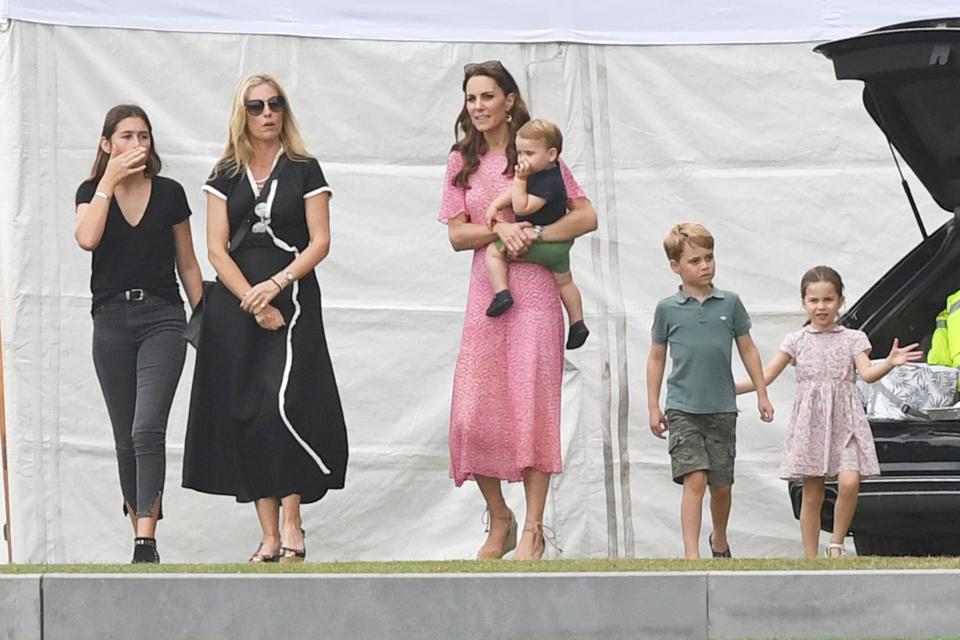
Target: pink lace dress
(505,415)
(828,430)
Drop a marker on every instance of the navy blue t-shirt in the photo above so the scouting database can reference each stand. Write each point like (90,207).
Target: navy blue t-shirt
(547,184)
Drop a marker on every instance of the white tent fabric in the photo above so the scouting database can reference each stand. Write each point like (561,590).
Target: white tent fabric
(599,21)
(758,142)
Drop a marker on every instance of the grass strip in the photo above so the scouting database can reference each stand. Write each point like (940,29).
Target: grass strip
(510,566)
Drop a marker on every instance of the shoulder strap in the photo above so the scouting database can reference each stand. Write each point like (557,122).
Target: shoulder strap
(241,233)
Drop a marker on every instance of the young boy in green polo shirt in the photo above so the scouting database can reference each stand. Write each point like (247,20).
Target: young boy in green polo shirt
(698,324)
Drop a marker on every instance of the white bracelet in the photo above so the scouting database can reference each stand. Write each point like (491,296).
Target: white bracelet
(101,194)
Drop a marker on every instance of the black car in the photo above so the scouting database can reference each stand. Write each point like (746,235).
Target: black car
(911,76)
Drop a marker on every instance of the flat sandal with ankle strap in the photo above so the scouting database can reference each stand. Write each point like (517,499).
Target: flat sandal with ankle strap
(509,543)
(831,547)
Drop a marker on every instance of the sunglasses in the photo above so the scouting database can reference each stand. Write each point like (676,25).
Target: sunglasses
(489,67)
(276,104)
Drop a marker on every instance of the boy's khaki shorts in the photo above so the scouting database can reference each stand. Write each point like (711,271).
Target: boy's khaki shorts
(702,442)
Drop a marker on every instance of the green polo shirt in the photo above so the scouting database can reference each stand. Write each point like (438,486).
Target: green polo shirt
(699,337)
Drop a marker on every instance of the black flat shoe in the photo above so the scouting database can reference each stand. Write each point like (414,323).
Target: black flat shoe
(718,554)
(501,302)
(145,551)
(259,557)
(578,335)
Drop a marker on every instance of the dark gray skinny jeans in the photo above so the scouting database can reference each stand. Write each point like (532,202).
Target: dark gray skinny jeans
(138,352)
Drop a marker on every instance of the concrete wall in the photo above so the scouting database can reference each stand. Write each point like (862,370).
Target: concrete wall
(863,604)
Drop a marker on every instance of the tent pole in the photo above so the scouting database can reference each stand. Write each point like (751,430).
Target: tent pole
(7,528)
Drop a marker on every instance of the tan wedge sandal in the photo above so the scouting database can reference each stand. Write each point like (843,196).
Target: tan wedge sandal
(491,551)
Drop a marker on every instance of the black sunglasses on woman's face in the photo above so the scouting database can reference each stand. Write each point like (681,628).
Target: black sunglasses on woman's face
(471,68)
(276,104)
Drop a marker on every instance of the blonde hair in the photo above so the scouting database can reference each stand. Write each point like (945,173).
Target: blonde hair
(686,233)
(236,156)
(540,129)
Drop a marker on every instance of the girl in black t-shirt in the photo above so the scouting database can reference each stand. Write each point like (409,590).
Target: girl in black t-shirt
(137,225)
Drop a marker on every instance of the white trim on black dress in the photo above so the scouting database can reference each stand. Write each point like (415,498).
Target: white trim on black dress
(288,361)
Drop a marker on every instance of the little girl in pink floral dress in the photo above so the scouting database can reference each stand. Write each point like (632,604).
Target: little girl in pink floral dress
(828,435)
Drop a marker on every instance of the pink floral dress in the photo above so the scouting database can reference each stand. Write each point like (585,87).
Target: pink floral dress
(828,430)
(505,415)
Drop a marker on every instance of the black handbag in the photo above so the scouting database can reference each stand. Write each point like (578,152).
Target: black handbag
(194,326)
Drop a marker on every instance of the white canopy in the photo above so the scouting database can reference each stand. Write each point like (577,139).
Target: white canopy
(759,142)
(598,21)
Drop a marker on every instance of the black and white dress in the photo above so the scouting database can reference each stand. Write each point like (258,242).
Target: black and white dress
(265,414)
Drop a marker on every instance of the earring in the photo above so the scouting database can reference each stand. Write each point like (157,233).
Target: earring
(509,118)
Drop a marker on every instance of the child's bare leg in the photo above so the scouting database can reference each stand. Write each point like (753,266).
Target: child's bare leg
(570,295)
(691,511)
(496,262)
(721,497)
(810,507)
(848,489)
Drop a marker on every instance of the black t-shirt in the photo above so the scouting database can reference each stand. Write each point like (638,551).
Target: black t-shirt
(547,184)
(140,257)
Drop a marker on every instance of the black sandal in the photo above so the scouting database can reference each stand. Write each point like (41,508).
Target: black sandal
(289,555)
(259,557)
(292,556)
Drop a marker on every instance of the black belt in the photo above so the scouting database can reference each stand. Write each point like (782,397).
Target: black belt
(130,295)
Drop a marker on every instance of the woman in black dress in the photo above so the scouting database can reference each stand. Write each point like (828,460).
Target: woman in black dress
(137,225)
(265,418)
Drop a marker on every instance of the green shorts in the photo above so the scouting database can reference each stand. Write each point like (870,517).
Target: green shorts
(553,255)
(702,442)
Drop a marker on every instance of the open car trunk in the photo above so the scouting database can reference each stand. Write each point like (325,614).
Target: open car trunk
(911,76)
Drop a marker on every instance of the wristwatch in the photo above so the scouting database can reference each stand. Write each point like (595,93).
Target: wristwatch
(537,229)
(288,276)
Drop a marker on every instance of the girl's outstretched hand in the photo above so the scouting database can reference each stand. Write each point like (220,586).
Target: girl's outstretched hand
(902,355)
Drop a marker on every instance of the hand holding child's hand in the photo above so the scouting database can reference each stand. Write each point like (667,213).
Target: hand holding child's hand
(658,422)
(766,409)
(902,355)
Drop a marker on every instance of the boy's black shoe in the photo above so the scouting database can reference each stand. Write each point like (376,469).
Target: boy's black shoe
(501,302)
(145,551)
(718,554)
(578,335)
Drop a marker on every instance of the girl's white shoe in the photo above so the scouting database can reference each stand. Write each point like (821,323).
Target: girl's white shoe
(831,547)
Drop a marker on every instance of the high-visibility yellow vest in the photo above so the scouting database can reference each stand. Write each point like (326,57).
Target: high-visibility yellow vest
(945,344)
(939,352)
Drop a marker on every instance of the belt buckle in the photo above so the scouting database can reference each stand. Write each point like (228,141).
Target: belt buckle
(134,295)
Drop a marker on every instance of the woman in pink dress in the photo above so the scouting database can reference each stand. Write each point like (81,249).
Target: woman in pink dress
(505,418)
(828,435)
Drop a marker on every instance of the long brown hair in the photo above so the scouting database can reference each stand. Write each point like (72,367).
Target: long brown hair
(110,123)
(236,156)
(473,144)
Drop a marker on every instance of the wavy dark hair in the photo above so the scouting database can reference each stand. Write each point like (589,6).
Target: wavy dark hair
(473,144)
(113,118)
